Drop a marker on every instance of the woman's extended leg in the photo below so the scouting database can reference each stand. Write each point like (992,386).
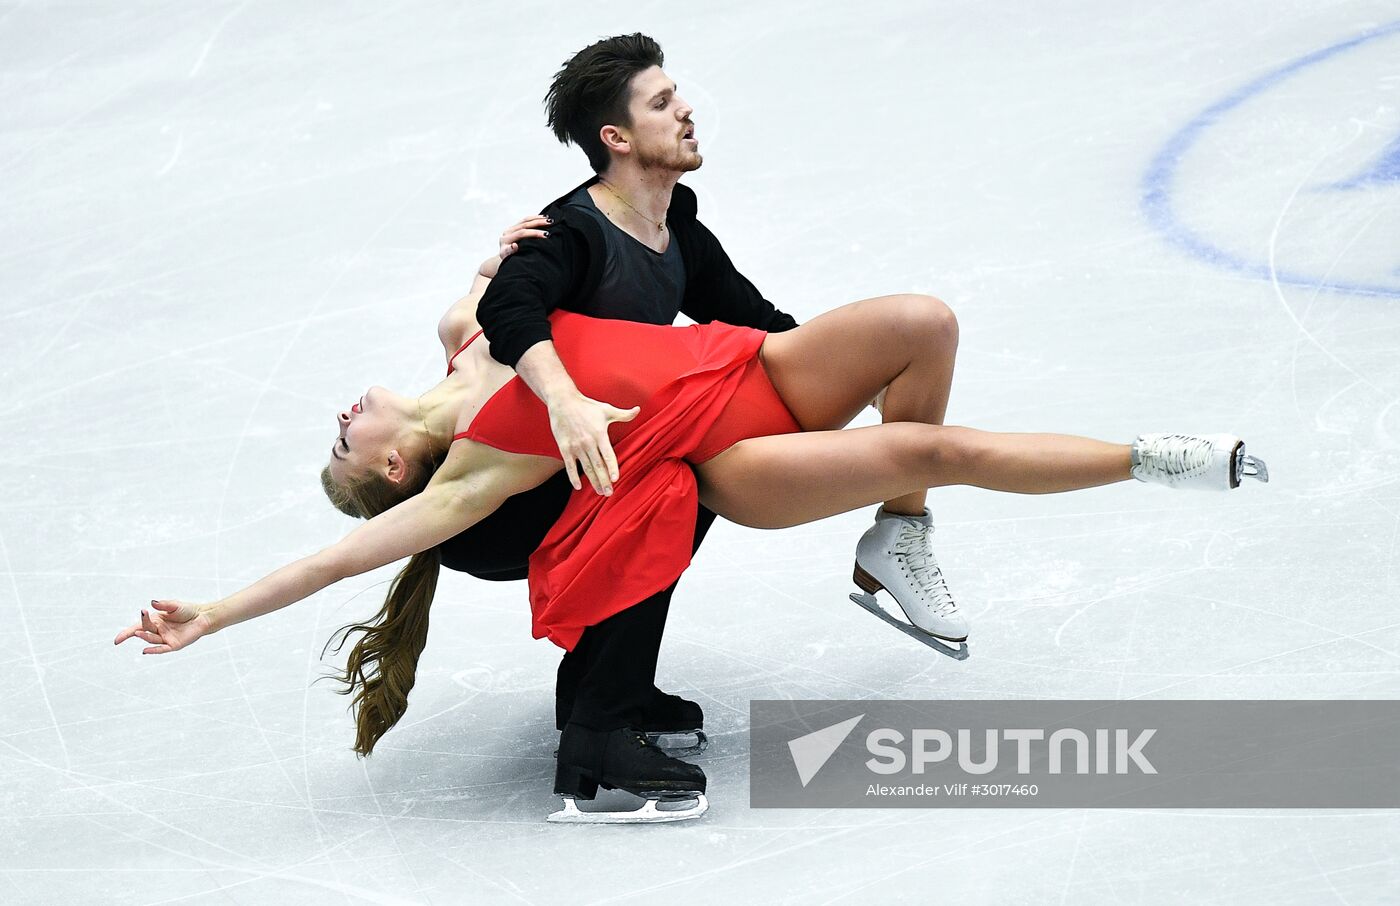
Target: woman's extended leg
(785,480)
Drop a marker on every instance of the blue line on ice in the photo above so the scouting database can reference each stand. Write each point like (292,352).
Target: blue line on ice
(1157,182)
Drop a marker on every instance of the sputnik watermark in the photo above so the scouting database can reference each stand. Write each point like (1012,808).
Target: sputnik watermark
(889,758)
(1113,751)
(811,750)
(1075,753)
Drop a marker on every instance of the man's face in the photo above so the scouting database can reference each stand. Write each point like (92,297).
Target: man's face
(660,124)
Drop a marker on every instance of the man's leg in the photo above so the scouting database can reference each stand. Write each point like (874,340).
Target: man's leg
(607,687)
(614,667)
(498,549)
(609,679)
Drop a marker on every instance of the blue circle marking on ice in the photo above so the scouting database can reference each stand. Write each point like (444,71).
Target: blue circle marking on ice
(1157,182)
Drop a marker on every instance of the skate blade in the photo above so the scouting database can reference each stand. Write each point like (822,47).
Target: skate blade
(1246,466)
(680,743)
(647,814)
(943,647)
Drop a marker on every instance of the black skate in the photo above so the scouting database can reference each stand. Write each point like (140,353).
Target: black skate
(676,725)
(624,760)
(670,722)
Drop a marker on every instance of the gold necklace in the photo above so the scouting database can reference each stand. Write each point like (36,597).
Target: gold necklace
(432,453)
(660,224)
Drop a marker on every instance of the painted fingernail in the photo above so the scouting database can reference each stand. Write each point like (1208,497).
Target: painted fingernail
(546,234)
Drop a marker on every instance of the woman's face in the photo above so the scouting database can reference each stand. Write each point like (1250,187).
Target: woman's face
(366,433)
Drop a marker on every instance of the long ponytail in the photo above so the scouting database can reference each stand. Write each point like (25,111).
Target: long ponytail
(381,668)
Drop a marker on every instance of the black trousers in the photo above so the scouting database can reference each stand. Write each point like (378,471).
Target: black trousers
(608,680)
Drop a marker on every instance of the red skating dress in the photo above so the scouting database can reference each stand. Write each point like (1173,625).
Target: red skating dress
(701,389)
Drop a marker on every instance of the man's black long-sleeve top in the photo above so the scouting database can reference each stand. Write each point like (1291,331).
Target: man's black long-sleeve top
(564,270)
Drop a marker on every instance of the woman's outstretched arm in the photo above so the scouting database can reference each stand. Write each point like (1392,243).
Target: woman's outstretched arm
(469,486)
(417,524)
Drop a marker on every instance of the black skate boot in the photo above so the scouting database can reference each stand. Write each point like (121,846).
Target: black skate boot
(670,722)
(623,760)
(675,724)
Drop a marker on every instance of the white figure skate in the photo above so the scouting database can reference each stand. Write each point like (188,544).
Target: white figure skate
(894,555)
(1211,462)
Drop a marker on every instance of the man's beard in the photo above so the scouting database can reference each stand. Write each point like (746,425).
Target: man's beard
(671,160)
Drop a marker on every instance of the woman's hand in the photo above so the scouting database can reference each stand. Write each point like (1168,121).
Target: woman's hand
(531,227)
(176,625)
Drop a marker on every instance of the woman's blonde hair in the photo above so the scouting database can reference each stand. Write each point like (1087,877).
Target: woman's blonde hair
(381,667)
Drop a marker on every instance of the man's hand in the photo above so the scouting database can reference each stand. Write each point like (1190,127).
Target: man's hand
(580,424)
(580,427)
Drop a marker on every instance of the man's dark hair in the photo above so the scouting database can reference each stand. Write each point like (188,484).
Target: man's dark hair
(591,91)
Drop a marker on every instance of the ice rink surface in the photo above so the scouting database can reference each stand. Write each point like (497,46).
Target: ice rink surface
(221,222)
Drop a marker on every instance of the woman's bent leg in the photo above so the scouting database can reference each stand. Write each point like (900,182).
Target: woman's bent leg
(785,480)
(903,348)
(830,368)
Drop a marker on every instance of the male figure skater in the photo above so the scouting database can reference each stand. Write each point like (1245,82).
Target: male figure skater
(626,244)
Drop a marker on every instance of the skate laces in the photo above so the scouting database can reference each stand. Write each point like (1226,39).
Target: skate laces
(912,544)
(1174,455)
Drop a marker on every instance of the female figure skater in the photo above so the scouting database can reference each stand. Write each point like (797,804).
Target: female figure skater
(736,405)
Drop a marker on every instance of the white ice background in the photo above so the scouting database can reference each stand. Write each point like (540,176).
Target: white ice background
(219,222)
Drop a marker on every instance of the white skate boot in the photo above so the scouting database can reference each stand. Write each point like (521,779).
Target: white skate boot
(1212,462)
(894,555)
